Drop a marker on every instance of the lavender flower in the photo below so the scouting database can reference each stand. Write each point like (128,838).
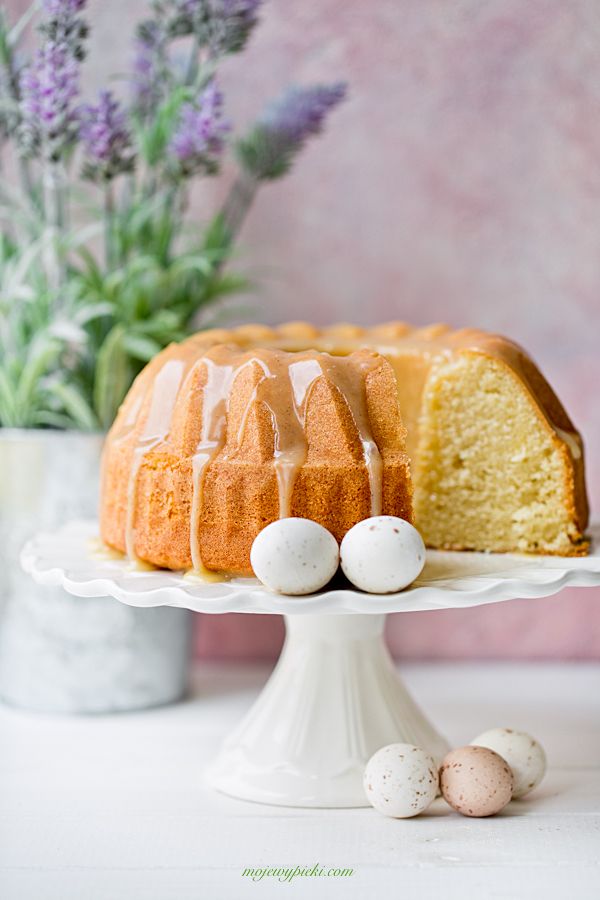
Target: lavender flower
(148,68)
(182,17)
(48,89)
(63,25)
(223,26)
(106,139)
(199,137)
(230,23)
(285,126)
(300,112)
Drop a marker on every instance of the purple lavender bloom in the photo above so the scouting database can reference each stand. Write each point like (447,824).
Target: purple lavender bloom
(199,138)
(231,22)
(301,112)
(148,68)
(106,139)
(49,88)
(222,25)
(63,25)
(285,126)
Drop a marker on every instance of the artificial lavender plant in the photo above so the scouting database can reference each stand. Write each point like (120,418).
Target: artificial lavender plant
(99,268)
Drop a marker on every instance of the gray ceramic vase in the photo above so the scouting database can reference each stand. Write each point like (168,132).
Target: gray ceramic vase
(67,654)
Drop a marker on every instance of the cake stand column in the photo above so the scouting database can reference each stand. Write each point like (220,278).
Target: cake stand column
(333,699)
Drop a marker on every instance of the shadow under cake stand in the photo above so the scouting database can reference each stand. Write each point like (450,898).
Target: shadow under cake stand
(334,697)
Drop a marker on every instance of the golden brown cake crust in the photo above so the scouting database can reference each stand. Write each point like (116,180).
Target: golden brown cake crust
(215,441)
(151,464)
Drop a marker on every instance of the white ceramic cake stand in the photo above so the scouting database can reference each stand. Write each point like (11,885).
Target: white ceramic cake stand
(334,696)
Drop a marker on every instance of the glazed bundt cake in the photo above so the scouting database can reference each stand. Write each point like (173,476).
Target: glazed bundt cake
(230,430)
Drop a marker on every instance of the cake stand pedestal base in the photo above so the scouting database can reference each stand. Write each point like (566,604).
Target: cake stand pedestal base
(333,699)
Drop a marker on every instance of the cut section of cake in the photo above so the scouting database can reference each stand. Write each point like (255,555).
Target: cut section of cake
(496,462)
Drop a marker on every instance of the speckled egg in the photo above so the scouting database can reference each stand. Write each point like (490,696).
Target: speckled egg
(476,781)
(382,554)
(294,556)
(524,755)
(401,780)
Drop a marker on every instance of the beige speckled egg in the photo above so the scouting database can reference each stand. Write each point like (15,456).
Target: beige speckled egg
(476,781)
(524,755)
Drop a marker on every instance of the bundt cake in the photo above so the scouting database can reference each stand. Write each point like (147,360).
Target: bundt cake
(230,430)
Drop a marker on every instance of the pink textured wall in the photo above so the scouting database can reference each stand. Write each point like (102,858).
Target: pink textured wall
(461,182)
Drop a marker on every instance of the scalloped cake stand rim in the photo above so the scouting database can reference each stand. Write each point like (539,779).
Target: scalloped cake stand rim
(450,580)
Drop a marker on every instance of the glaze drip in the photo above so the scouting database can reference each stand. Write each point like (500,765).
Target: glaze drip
(165,388)
(283,384)
(214,419)
(337,370)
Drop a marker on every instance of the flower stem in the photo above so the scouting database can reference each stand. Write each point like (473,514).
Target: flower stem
(238,203)
(192,67)
(233,213)
(54,214)
(109,222)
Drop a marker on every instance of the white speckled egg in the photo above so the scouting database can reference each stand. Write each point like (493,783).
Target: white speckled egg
(294,556)
(382,554)
(401,780)
(523,754)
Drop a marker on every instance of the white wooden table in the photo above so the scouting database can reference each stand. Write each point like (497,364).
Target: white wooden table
(114,807)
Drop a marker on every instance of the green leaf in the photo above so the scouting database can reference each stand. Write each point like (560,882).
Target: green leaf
(217,237)
(92,274)
(224,285)
(229,283)
(141,347)
(74,404)
(186,264)
(155,138)
(92,311)
(8,406)
(166,320)
(44,353)
(45,417)
(113,376)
